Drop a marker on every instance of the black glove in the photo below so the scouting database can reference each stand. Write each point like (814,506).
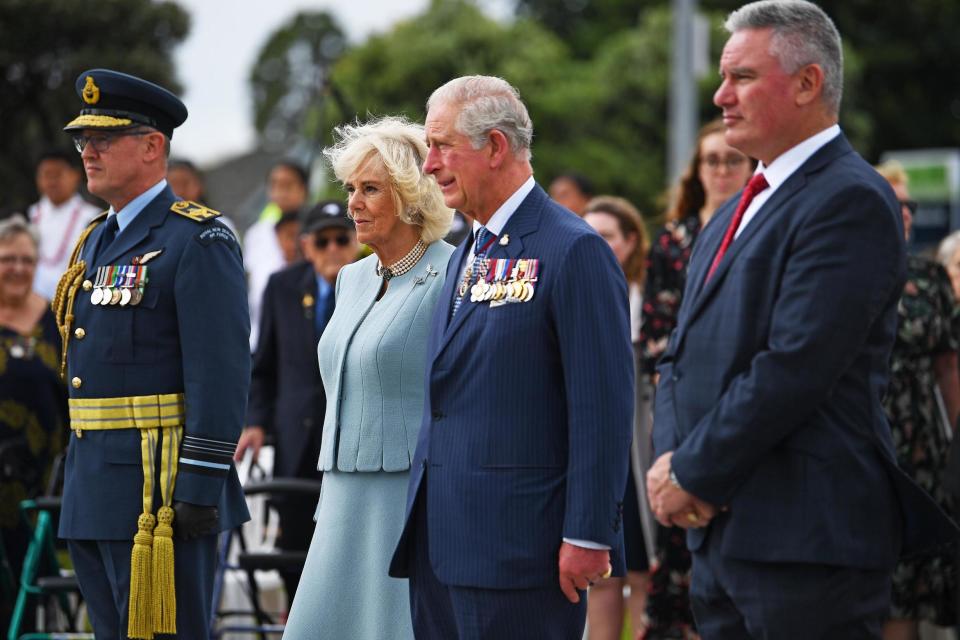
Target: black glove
(193,520)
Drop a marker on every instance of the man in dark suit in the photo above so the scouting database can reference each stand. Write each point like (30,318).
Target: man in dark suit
(521,462)
(286,393)
(773,445)
(153,313)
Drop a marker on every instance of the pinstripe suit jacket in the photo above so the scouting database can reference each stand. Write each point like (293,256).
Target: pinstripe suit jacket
(527,422)
(770,386)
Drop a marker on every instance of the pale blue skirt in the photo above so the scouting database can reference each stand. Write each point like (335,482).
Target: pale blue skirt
(345,591)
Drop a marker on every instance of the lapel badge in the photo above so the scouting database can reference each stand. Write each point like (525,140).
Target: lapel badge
(504,239)
(91,92)
(308,301)
(147,257)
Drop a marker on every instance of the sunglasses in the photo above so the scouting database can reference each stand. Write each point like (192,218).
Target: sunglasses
(322,241)
(102,141)
(911,205)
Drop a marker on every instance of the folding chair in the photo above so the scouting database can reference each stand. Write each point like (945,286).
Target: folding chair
(41,580)
(249,562)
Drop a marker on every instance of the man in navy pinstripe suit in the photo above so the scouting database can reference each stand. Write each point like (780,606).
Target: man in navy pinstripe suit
(513,507)
(773,444)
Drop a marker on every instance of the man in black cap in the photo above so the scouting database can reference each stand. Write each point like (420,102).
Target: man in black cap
(152,309)
(286,392)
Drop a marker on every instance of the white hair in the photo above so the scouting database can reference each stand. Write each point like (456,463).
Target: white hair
(17,225)
(948,248)
(488,103)
(399,145)
(802,34)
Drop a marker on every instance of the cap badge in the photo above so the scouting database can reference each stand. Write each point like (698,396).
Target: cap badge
(91,92)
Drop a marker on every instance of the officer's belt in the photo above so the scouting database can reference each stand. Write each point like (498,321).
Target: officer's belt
(130,412)
(160,419)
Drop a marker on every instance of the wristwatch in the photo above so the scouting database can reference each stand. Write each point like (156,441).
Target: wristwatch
(674,481)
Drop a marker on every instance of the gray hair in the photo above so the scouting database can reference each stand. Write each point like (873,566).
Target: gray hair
(802,34)
(948,248)
(17,225)
(488,103)
(399,145)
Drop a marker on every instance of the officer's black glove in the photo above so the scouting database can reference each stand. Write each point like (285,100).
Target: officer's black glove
(193,520)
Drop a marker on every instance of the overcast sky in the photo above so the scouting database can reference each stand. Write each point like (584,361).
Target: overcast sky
(213,63)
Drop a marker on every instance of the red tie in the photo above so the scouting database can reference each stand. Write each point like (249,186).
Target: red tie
(757,184)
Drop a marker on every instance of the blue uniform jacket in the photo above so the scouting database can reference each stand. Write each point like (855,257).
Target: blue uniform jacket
(771,384)
(189,334)
(528,411)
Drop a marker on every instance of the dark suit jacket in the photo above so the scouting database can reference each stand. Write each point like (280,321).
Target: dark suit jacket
(770,387)
(286,393)
(528,411)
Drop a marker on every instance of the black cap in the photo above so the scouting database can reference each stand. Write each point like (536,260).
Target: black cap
(116,101)
(326,214)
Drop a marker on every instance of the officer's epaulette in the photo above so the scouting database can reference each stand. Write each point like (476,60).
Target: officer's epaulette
(194,211)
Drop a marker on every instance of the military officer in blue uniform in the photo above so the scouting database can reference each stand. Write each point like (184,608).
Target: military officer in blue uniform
(153,315)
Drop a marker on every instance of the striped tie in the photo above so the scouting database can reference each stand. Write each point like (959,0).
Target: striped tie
(480,246)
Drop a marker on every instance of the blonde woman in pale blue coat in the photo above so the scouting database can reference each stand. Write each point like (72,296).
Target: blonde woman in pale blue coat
(372,358)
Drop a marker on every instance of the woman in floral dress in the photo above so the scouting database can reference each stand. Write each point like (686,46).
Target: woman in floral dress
(923,365)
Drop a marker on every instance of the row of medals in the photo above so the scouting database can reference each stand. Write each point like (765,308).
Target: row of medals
(518,288)
(125,289)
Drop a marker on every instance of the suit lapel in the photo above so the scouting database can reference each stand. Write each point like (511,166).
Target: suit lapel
(828,153)
(151,216)
(308,287)
(525,220)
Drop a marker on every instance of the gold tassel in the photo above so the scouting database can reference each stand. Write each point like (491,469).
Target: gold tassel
(140,611)
(164,591)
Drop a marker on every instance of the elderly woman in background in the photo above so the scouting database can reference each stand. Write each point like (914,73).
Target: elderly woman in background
(620,224)
(33,400)
(372,358)
(923,365)
(948,254)
(716,173)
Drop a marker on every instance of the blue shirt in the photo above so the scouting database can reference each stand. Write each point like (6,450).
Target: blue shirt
(324,294)
(126,215)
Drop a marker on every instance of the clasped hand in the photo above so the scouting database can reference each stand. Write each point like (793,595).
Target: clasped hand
(672,505)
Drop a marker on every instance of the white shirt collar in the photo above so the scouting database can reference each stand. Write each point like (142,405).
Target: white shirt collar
(789,161)
(126,215)
(501,216)
(782,168)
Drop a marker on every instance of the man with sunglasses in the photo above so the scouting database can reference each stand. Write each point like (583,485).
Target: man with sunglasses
(153,312)
(286,394)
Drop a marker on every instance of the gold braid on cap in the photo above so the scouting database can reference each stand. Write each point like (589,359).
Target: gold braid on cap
(66,293)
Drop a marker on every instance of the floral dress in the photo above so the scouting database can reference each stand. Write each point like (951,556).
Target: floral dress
(924,587)
(668,603)
(33,420)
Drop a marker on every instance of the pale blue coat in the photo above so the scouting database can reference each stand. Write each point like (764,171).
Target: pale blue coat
(384,411)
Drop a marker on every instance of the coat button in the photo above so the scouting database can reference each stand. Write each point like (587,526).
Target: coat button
(80,333)
(76,382)
(308,422)
(87,285)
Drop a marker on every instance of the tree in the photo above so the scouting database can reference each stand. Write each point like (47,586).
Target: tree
(46,44)
(291,72)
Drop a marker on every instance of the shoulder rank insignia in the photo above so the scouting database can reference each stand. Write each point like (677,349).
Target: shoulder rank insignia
(194,211)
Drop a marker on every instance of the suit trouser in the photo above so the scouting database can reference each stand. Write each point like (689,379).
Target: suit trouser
(446,612)
(103,571)
(739,600)
(296,517)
